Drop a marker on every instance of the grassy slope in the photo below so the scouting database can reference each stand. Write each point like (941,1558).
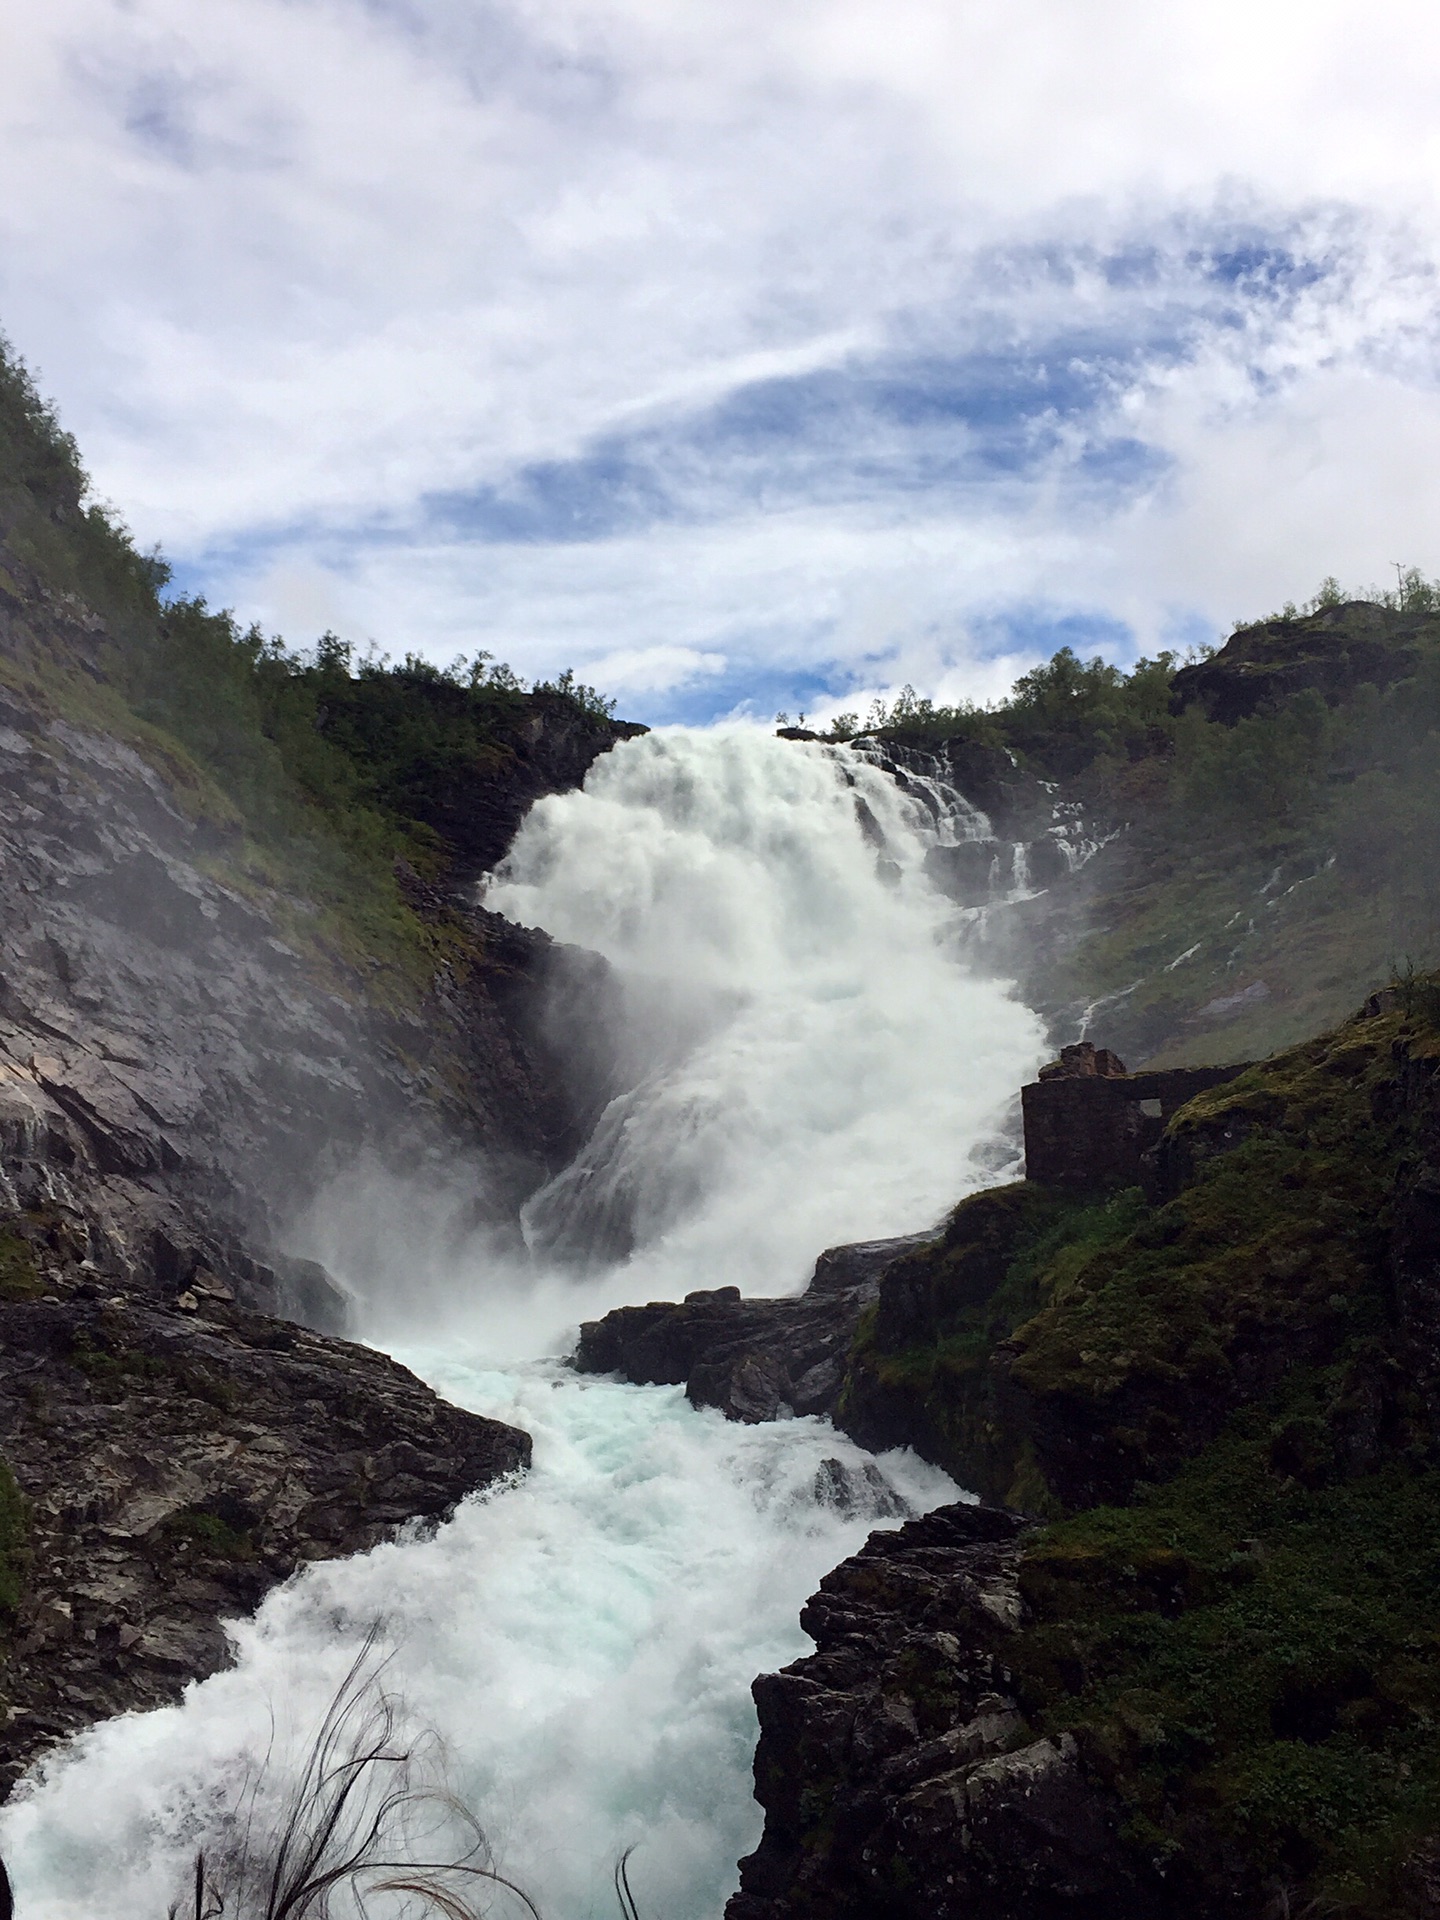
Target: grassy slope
(309,776)
(1291,851)
(1216,1401)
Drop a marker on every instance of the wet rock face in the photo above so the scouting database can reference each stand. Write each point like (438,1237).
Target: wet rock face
(176,1465)
(181,1081)
(899,1778)
(754,1359)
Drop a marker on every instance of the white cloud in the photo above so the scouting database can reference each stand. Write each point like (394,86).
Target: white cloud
(655,669)
(296,268)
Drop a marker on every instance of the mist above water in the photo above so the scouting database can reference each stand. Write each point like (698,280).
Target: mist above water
(801,1059)
(806,1059)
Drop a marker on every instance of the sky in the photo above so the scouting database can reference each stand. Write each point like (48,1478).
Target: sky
(739,356)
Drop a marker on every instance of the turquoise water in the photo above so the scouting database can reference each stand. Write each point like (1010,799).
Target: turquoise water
(583,1642)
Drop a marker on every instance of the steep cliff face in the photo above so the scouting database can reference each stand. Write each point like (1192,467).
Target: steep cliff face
(1221,1399)
(183,1059)
(234,956)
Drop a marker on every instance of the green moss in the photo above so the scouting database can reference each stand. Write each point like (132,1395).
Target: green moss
(1237,1616)
(1269,1257)
(114,1370)
(19,1271)
(14,1546)
(1249,1646)
(1251,1654)
(221,1531)
(947,1307)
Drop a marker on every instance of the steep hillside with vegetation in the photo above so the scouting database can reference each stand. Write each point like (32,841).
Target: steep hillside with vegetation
(238,952)
(1218,1652)
(1264,820)
(310,771)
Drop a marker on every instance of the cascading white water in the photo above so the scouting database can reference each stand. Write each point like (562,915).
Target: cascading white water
(803,1062)
(811,1065)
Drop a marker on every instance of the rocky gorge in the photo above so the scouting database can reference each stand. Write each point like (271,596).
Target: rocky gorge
(1180,1659)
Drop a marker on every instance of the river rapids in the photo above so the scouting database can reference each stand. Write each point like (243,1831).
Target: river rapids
(802,1058)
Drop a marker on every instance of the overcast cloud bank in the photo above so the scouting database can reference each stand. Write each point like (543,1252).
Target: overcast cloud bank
(740,357)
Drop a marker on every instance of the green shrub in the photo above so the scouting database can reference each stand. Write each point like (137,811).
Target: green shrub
(14,1545)
(19,1271)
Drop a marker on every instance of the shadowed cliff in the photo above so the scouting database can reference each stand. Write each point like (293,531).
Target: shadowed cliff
(238,950)
(1200,1676)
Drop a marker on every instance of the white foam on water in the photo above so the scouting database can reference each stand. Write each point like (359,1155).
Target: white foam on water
(584,1644)
(803,1061)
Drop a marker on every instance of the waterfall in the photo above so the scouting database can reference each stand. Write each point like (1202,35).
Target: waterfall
(807,1063)
(800,1060)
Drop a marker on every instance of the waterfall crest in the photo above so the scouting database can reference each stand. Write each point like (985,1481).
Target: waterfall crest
(805,1060)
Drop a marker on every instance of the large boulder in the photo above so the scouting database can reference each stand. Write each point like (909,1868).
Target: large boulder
(754,1359)
(899,1776)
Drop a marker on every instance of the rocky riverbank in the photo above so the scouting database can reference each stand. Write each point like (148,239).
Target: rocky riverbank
(171,1463)
(896,1767)
(1201,1679)
(203,1019)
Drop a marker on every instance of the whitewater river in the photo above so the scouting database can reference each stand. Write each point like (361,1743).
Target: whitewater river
(804,1060)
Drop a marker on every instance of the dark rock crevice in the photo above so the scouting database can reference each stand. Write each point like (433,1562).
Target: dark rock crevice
(899,1776)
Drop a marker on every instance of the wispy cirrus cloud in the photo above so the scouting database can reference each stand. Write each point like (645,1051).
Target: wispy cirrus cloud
(750,356)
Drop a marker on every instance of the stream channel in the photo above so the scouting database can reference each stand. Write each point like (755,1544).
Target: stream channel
(804,1059)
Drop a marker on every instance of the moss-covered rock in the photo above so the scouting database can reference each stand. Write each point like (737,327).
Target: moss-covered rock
(921,1373)
(1227,1399)
(1067,1349)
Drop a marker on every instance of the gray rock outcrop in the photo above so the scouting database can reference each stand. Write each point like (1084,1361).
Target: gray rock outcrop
(899,1777)
(755,1359)
(175,1463)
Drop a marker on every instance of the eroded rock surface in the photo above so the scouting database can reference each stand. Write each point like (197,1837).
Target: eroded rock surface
(754,1359)
(178,1463)
(171,1066)
(897,1772)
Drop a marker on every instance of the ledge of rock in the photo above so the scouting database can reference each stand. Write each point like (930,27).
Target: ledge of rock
(754,1359)
(899,1777)
(175,1465)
